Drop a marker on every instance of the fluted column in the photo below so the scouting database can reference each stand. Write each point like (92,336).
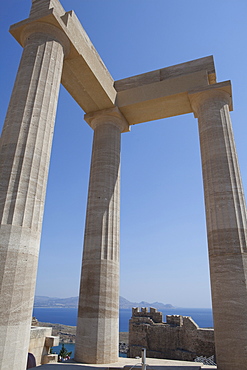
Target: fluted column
(25,156)
(226,225)
(97,337)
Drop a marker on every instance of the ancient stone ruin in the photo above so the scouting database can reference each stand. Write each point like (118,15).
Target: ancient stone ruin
(179,338)
(56,48)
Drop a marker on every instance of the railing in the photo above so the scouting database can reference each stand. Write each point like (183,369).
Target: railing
(206,360)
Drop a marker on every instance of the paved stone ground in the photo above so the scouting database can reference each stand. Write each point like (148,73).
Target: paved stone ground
(129,363)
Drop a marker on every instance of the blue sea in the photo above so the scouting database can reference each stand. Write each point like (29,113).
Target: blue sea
(68,316)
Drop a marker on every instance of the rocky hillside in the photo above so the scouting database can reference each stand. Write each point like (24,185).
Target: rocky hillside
(72,302)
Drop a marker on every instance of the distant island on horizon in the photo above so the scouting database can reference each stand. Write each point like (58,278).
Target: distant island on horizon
(72,302)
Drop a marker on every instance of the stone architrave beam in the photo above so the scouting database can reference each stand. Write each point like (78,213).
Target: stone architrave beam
(84,75)
(163,93)
(154,95)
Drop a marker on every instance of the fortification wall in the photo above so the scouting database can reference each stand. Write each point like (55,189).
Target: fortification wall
(178,338)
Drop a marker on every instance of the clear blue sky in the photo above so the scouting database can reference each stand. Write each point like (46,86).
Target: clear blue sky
(163,232)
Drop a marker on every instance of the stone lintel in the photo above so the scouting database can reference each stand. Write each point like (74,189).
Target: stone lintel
(196,65)
(112,115)
(201,93)
(163,93)
(150,96)
(160,99)
(85,76)
(40,7)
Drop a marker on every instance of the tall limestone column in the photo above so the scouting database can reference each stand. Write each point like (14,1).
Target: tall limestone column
(226,225)
(97,337)
(25,155)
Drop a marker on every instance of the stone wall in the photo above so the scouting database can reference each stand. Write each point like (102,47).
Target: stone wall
(179,338)
(40,343)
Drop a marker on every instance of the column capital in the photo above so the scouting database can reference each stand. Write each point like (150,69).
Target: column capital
(47,29)
(110,115)
(217,92)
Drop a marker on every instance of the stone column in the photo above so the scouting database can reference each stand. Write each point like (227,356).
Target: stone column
(97,338)
(25,155)
(226,226)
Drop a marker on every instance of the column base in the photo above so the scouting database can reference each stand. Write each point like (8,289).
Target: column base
(103,348)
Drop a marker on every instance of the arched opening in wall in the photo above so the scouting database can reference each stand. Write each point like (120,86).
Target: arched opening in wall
(163,232)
